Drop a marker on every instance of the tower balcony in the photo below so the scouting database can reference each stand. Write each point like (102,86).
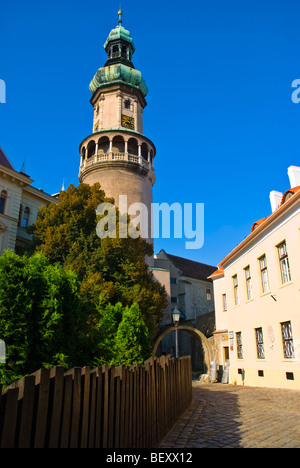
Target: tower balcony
(128,150)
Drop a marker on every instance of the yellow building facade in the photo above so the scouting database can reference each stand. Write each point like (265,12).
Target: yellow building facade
(257,299)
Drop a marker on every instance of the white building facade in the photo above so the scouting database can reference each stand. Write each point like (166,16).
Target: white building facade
(19,205)
(257,298)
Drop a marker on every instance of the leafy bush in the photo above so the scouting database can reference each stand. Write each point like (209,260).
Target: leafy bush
(40,315)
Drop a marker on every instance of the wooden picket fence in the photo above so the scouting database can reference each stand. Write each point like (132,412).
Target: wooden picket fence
(106,407)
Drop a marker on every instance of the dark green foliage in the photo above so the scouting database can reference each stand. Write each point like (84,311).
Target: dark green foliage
(39,315)
(132,344)
(112,269)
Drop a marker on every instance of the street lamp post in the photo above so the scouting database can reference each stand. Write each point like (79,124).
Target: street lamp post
(176,318)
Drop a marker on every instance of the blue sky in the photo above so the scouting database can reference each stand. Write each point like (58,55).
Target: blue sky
(219,105)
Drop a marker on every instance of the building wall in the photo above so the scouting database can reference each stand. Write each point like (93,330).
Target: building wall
(265,310)
(109,107)
(20,195)
(10,216)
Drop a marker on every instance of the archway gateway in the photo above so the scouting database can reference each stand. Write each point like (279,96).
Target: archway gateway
(193,331)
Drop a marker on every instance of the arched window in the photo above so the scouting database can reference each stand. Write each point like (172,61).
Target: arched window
(127,104)
(145,151)
(115,51)
(3,198)
(103,144)
(133,146)
(91,149)
(25,217)
(118,144)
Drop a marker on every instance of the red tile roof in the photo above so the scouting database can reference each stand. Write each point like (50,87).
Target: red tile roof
(217,274)
(291,191)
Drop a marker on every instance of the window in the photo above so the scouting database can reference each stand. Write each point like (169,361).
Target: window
(260,343)
(224,303)
(264,274)
(236,289)
(208,295)
(127,104)
(248,283)
(284,263)
(173,281)
(3,198)
(287,339)
(25,218)
(174,300)
(239,345)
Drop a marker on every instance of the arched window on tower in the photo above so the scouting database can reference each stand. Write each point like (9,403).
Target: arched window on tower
(25,217)
(103,144)
(145,151)
(3,198)
(127,104)
(118,144)
(91,149)
(115,51)
(133,147)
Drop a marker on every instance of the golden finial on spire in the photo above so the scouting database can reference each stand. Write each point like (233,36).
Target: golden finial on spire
(120,13)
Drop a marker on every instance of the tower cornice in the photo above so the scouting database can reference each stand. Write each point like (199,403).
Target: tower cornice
(119,85)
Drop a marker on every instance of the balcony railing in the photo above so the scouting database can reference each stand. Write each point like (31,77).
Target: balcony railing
(110,156)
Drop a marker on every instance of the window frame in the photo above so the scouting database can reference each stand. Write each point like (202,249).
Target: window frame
(248,280)
(3,198)
(25,218)
(259,337)
(239,345)
(235,282)
(127,104)
(284,264)
(287,340)
(264,274)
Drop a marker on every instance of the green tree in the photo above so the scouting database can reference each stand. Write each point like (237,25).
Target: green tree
(109,322)
(40,316)
(110,270)
(132,345)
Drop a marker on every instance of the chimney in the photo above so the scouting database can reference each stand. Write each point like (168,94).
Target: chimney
(275,199)
(294,176)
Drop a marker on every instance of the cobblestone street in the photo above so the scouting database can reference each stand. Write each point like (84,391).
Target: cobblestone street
(225,416)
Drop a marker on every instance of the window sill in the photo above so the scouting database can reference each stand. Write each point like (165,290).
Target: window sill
(266,294)
(249,300)
(285,285)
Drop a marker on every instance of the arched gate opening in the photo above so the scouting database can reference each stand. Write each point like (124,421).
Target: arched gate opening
(194,332)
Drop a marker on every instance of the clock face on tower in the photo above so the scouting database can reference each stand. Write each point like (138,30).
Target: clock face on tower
(127,122)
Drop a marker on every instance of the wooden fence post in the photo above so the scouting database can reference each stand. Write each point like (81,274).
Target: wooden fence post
(43,377)
(76,407)
(27,393)
(57,374)
(105,408)
(10,419)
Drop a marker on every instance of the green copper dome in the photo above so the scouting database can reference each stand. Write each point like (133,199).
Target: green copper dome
(118,73)
(119,67)
(119,33)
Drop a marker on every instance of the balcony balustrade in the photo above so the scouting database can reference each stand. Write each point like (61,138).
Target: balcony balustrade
(113,156)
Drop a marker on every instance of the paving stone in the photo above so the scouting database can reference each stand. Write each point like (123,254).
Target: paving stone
(226,416)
